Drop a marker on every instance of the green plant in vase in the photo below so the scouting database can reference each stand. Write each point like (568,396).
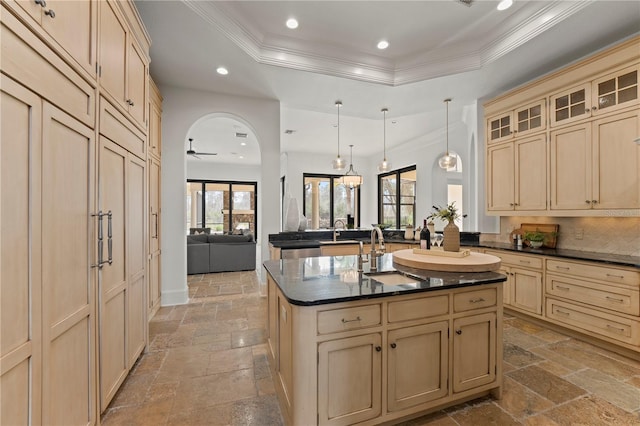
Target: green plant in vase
(536,238)
(451,232)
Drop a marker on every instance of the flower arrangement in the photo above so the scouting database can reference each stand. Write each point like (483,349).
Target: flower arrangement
(449,213)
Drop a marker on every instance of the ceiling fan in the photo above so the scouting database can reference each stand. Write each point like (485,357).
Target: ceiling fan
(195,154)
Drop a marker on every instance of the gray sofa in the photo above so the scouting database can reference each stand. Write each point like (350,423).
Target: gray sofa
(220,253)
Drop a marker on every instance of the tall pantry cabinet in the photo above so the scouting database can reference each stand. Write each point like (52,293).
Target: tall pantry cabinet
(74,201)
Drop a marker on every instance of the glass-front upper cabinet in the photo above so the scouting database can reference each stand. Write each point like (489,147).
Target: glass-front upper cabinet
(525,119)
(606,94)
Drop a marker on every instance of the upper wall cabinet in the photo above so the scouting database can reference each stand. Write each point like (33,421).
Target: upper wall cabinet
(584,159)
(523,120)
(606,94)
(69,24)
(123,65)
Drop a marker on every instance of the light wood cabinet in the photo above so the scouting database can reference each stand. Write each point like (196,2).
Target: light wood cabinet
(521,121)
(53,19)
(418,359)
(595,165)
(48,283)
(524,286)
(517,175)
(590,167)
(343,249)
(600,301)
(380,360)
(609,93)
(350,380)
(154,167)
(123,67)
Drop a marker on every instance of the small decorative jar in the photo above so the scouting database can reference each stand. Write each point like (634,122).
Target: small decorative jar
(416,235)
(408,233)
(451,240)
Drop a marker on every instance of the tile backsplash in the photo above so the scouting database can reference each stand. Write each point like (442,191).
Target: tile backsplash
(618,235)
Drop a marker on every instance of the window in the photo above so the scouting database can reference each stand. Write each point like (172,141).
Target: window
(326,200)
(397,198)
(224,207)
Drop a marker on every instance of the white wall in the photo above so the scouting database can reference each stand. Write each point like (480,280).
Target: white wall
(181,109)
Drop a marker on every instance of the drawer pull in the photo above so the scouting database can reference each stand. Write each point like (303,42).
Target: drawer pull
(344,321)
(558,311)
(378,348)
(614,299)
(393,345)
(610,327)
(559,287)
(525,261)
(615,276)
(566,268)
(458,332)
(479,299)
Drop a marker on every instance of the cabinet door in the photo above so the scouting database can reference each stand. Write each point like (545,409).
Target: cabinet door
(73,26)
(32,8)
(154,205)
(350,380)
(527,290)
(154,283)
(113,277)
(136,258)
(113,52)
(570,105)
(137,84)
(474,351)
(506,286)
(67,246)
(530,118)
(500,173)
(570,168)
(531,173)
(499,127)
(616,161)
(417,365)
(20,274)
(616,91)
(155,129)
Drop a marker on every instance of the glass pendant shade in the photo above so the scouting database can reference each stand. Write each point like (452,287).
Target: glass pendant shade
(338,163)
(384,165)
(351,178)
(447,161)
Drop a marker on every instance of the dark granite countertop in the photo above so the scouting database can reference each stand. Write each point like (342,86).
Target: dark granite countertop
(333,279)
(607,258)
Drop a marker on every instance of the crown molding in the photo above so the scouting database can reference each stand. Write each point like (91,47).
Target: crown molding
(337,62)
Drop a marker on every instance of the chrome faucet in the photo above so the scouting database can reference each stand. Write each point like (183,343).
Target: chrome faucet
(335,230)
(374,252)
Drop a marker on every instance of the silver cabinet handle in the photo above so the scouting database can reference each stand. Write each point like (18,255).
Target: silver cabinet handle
(102,262)
(479,299)
(156,226)
(525,261)
(42,3)
(109,237)
(618,329)
(559,287)
(558,311)
(344,321)
(50,13)
(566,268)
(614,299)
(615,276)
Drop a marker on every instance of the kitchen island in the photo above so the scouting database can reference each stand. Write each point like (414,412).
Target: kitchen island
(380,346)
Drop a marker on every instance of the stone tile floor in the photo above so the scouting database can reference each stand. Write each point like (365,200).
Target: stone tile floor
(206,364)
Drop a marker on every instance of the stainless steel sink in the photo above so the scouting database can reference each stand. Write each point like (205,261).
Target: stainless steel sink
(328,242)
(393,278)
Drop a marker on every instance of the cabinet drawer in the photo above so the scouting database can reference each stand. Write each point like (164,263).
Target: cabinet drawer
(346,319)
(517,259)
(115,126)
(425,307)
(595,272)
(476,299)
(618,299)
(591,321)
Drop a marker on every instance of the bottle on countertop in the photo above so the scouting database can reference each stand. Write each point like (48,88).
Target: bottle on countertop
(519,240)
(425,237)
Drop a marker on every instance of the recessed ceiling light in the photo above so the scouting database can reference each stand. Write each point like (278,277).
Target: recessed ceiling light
(383,44)
(243,144)
(505,4)
(241,157)
(292,23)
(222,71)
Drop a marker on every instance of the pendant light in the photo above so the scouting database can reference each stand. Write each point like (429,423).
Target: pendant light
(447,161)
(384,166)
(338,163)
(351,178)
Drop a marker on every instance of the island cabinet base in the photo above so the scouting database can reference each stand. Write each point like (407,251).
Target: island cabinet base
(384,359)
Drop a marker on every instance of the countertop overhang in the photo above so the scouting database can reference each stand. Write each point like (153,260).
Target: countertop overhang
(333,279)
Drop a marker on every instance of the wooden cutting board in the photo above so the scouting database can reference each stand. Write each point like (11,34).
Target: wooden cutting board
(548,228)
(475,262)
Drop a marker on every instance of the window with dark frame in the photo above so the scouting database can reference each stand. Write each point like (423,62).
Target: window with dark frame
(222,206)
(397,198)
(325,200)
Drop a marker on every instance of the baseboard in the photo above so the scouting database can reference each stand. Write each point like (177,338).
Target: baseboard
(175,297)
